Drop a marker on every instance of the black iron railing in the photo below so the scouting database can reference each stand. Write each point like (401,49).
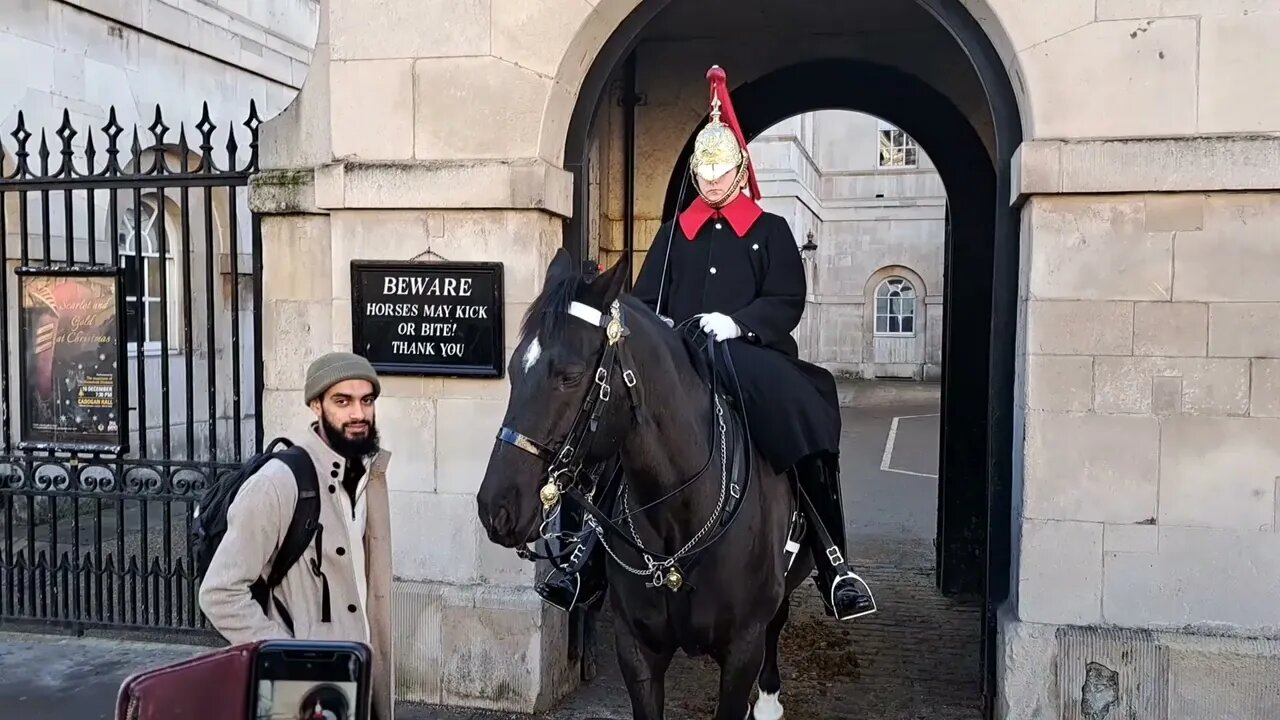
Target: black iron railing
(134,352)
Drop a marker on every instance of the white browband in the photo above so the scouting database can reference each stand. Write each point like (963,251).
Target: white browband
(586,312)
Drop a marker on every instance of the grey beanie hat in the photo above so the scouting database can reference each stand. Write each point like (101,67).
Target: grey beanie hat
(330,369)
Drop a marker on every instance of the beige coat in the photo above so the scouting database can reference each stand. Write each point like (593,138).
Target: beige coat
(256,524)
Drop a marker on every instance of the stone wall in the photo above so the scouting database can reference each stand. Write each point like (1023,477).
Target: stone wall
(1143,308)
(1164,375)
(382,157)
(1149,467)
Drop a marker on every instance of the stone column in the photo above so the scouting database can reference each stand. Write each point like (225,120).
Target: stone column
(1151,369)
(409,141)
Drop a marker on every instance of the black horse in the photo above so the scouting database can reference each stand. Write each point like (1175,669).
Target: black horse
(702,541)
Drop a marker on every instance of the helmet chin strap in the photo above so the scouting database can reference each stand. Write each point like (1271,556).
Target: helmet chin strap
(734,189)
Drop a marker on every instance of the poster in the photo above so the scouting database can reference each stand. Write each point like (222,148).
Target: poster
(71,359)
(429,318)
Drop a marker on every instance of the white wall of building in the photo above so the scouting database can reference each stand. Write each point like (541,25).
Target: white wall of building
(879,224)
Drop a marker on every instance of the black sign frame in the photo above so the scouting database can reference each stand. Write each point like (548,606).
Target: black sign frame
(114,444)
(495,369)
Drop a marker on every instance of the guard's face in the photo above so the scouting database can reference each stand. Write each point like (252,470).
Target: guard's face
(722,189)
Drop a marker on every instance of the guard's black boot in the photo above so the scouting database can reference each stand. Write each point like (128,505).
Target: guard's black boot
(845,595)
(578,579)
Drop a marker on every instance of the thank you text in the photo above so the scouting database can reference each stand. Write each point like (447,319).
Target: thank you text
(429,318)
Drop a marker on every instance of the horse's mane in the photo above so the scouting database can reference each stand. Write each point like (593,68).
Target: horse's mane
(547,315)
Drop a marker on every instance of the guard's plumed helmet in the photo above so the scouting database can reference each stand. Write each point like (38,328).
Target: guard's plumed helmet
(720,147)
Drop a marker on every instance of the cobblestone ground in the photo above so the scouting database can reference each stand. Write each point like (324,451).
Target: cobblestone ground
(916,659)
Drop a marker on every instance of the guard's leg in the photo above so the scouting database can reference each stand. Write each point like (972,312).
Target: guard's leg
(845,594)
(562,585)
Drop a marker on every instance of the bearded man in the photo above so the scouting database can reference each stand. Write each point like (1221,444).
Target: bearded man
(340,589)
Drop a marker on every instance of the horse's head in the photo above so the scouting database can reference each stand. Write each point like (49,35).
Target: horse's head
(559,415)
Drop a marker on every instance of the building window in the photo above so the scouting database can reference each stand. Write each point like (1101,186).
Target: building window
(897,149)
(146,275)
(896,308)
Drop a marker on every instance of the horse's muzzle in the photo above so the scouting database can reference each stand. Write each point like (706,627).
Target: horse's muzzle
(503,522)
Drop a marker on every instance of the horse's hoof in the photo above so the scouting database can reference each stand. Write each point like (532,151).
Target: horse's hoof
(767,707)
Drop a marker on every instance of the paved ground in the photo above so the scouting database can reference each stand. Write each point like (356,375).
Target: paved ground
(915,659)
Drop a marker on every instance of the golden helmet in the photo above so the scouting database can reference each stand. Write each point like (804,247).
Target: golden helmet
(719,146)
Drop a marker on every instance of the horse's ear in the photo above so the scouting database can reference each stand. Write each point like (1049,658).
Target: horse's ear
(610,283)
(561,265)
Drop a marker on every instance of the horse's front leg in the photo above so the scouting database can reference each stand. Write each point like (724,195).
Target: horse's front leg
(739,667)
(644,671)
(767,706)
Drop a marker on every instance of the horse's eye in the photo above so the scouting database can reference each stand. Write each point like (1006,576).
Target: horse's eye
(571,376)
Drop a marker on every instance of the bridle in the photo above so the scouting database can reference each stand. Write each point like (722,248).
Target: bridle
(565,463)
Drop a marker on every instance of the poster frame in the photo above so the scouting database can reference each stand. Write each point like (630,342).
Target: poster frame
(120,446)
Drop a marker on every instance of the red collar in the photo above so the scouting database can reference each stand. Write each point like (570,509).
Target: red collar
(741,213)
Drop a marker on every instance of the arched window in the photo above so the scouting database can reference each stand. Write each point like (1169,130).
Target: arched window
(148,277)
(896,308)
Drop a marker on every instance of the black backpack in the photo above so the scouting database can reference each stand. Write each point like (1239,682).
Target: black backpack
(209,518)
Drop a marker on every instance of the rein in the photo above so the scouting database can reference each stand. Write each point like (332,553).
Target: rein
(565,463)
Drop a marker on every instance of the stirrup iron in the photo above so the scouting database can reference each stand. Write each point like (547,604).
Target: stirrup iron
(864,588)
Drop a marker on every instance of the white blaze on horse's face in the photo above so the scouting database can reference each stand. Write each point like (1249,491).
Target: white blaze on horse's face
(531,354)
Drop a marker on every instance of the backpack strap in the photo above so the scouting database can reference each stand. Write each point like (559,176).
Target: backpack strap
(304,525)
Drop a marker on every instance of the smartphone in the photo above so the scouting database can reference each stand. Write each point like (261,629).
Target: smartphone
(311,680)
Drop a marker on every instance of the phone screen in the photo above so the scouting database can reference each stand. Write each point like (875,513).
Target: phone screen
(308,684)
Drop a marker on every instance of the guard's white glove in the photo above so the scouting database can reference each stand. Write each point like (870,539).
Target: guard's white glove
(720,326)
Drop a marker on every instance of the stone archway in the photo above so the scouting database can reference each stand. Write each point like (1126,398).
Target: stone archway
(973,147)
(608,30)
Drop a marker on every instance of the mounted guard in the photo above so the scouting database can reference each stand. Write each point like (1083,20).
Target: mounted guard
(734,270)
